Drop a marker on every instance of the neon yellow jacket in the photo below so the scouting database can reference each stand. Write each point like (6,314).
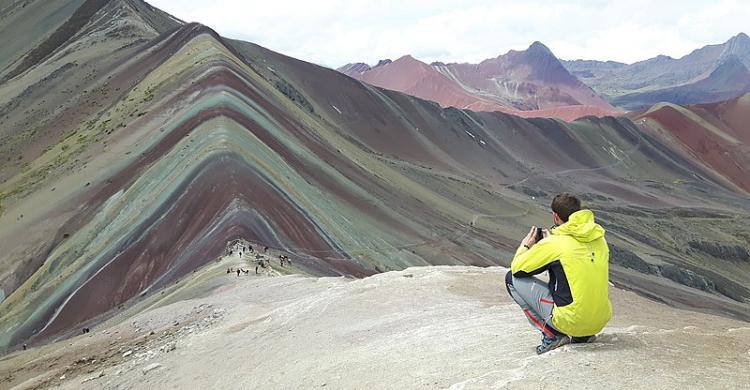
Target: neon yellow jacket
(577,258)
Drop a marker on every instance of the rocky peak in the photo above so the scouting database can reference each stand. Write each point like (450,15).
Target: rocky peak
(741,38)
(738,45)
(383,62)
(540,48)
(353,69)
(546,67)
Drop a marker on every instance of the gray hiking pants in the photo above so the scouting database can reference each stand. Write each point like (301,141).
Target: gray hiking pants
(535,299)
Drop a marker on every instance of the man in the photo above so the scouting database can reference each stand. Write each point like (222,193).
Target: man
(574,305)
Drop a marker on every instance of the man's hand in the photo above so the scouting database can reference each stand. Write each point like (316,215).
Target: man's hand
(530,238)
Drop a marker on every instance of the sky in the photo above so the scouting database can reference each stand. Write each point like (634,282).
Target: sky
(333,33)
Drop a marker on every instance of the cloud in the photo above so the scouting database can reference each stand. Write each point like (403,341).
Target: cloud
(335,32)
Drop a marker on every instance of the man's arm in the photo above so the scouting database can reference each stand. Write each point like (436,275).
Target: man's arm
(532,261)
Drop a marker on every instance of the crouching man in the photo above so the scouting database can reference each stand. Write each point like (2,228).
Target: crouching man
(574,305)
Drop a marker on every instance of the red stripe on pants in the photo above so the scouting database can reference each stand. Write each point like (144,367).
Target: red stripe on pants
(539,324)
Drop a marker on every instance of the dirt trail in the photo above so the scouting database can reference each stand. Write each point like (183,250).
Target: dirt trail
(426,327)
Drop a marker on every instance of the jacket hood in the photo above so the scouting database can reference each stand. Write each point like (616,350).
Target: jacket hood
(581,226)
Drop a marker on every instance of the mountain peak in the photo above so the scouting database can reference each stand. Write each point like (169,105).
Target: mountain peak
(545,66)
(407,57)
(540,54)
(354,68)
(537,46)
(738,44)
(383,62)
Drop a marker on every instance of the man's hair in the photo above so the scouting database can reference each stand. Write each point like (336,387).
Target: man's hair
(565,204)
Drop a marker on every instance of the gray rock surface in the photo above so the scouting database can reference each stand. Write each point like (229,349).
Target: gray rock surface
(425,327)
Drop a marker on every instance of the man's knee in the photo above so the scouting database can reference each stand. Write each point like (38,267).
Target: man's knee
(509,282)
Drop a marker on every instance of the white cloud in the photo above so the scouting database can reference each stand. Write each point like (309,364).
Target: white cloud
(335,32)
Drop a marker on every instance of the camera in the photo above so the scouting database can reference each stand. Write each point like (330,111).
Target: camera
(539,234)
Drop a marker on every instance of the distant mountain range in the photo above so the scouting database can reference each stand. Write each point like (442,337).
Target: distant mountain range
(527,83)
(534,82)
(730,79)
(708,74)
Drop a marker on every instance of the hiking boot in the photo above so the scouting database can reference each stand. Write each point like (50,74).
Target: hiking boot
(550,343)
(583,340)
